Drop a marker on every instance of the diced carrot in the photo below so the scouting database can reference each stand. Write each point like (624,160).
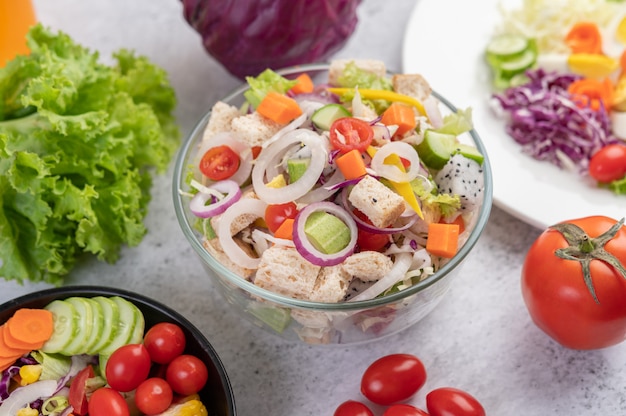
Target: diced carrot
(592,92)
(28,328)
(351,164)
(443,239)
(457,220)
(304,85)
(401,115)
(279,108)
(584,37)
(285,230)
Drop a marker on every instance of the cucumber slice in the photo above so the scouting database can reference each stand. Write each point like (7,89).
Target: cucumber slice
(140,325)
(85,325)
(435,149)
(324,116)
(507,46)
(512,67)
(97,327)
(110,317)
(469,152)
(125,325)
(326,232)
(65,320)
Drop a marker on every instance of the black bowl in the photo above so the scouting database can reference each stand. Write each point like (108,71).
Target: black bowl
(217,395)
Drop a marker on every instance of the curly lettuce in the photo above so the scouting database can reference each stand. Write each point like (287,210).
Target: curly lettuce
(79,142)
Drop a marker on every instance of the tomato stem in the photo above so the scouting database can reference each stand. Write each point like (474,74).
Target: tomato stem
(583,249)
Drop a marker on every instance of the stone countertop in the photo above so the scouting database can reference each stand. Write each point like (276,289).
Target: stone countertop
(479,339)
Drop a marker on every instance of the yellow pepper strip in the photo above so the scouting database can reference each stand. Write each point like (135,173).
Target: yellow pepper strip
(383,95)
(404,189)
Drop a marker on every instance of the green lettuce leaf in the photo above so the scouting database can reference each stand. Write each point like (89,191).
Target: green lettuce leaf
(265,82)
(457,123)
(79,143)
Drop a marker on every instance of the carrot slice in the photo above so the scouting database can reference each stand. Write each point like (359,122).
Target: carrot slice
(400,115)
(29,328)
(285,230)
(592,92)
(279,108)
(6,362)
(351,164)
(443,239)
(584,37)
(304,85)
(8,351)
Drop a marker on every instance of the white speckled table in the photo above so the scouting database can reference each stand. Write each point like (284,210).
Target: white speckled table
(479,339)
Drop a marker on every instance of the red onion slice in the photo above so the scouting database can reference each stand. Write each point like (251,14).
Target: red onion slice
(391,172)
(198,202)
(230,247)
(304,246)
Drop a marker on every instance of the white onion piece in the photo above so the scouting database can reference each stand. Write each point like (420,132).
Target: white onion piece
(260,235)
(358,108)
(400,267)
(618,123)
(391,172)
(231,140)
(297,122)
(303,185)
(381,133)
(433,112)
(304,246)
(230,247)
(22,396)
(198,202)
(323,192)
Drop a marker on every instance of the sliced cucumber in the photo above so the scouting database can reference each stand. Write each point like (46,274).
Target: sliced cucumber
(110,317)
(140,325)
(512,67)
(326,232)
(97,327)
(84,318)
(324,116)
(436,148)
(507,46)
(469,152)
(125,325)
(65,321)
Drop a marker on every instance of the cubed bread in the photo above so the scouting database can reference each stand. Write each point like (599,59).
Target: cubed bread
(367,266)
(380,204)
(413,85)
(331,285)
(282,270)
(222,115)
(254,129)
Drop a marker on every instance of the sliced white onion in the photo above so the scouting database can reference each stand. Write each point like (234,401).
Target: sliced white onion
(433,112)
(303,185)
(218,189)
(381,133)
(304,246)
(297,122)
(260,235)
(391,172)
(323,192)
(22,396)
(231,140)
(230,247)
(396,274)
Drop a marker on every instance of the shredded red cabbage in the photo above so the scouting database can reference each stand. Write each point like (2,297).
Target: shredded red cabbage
(543,117)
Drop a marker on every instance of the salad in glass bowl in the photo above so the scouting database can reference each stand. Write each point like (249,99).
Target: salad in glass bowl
(333,203)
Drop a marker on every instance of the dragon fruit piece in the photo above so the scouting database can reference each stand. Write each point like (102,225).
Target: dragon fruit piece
(464,177)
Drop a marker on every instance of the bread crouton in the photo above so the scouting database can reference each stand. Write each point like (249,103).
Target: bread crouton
(380,204)
(254,129)
(331,285)
(282,270)
(222,115)
(367,265)
(413,85)
(337,67)
(214,247)
(241,222)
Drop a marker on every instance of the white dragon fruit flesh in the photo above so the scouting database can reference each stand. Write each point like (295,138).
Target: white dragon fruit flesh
(463,177)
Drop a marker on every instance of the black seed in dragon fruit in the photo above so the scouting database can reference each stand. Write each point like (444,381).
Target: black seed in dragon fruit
(463,177)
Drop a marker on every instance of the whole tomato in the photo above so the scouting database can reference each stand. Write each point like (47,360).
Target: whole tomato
(448,401)
(404,409)
(352,408)
(574,282)
(393,378)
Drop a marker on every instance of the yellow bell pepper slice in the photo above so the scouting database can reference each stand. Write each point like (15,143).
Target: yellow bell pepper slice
(382,95)
(592,65)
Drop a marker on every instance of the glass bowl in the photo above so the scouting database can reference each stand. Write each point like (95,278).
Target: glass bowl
(217,394)
(316,322)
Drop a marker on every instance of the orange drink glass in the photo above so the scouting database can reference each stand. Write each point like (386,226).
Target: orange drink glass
(16,17)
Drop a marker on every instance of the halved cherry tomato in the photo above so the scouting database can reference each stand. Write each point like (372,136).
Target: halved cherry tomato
(127,367)
(393,378)
(78,391)
(367,241)
(446,401)
(153,396)
(349,133)
(107,402)
(219,163)
(352,408)
(164,342)
(276,214)
(404,410)
(609,163)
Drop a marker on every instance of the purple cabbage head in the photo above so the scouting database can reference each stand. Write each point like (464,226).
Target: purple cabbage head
(249,36)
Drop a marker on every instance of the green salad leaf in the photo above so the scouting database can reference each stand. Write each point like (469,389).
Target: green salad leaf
(79,142)
(265,82)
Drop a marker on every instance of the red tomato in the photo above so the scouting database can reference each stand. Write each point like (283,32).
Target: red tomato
(404,410)
(78,396)
(186,374)
(107,402)
(276,214)
(219,163)
(352,408)
(127,367)
(557,296)
(349,133)
(164,342)
(153,396)
(393,378)
(448,401)
(367,241)
(609,163)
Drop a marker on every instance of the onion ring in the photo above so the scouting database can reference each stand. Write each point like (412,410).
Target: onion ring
(391,172)
(198,206)
(230,247)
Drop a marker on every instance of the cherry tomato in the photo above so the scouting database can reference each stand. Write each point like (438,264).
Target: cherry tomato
(559,299)
(448,401)
(153,396)
(186,374)
(164,342)
(219,163)
(404,410)
(349,133)
(393,378)
(78,394)
(276,214)
(107,402)
(127,367)
(609,163)
(367,241)
(352,408)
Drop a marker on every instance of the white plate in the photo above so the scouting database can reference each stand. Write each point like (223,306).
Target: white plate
(445,42)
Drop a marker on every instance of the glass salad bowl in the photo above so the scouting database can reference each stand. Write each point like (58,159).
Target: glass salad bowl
(347,321)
